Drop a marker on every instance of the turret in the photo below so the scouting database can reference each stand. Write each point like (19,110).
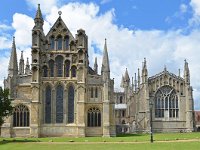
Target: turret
(27,69)
(13,66)
(38,19)
(96,66)
(126,78)
(21,64)
(138,78)
(186,73)
(105,69)
(107,99)
(144,72)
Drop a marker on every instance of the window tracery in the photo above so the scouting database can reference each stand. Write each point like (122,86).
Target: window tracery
(21,116)
(70,104)
(94,117)
(59,104)
(166,100)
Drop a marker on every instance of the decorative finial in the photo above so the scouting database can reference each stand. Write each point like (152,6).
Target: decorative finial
(60,13)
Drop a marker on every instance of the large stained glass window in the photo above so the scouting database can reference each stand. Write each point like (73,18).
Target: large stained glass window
(59,65)
(166,103)
(48,105)
(70,104)
(59,104)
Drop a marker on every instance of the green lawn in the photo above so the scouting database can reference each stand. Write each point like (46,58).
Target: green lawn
(139,141)
(119,138)
(148,146)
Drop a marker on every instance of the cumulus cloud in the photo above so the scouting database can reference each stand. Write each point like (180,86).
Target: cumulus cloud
(126,47)
(46,5)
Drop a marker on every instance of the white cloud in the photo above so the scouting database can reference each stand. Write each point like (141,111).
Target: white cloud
(46,5)
(23,25)
(126,47)
(105,1)
(195,20)
(183,8)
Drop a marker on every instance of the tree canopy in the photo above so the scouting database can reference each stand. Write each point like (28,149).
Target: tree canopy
(5,105)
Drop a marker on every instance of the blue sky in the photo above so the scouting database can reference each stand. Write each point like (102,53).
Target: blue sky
(164,31)
(134,14)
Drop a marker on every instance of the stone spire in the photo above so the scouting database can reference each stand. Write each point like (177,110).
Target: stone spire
(126,76)
(186,73)
(105,62)
(138,78)
(96,66)
(27,69)
(165,68)
(135,83)
(122,82)
(38,19)
(144,72)
(21,64)
(13,65)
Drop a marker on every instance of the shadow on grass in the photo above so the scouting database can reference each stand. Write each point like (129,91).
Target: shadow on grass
(16,141)
(130,135)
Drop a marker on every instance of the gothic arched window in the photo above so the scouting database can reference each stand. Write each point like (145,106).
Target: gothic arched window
(70,104)
(45,71)
(94,117)
(66,42)
(59,43)
(51,68)
(21,116)
(52,43)
(96,92)
(73,71)
(59,66)
(166,100)
(48,105)
(67,68)
(59,104)
(92,94)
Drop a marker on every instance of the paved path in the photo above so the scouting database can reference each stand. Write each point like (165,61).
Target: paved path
(134,142)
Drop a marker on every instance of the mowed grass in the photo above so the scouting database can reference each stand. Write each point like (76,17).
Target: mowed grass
(168,141)
(119,138)
(98,146)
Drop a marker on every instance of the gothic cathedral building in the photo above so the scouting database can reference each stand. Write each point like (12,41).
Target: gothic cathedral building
(165,100)
(60,94)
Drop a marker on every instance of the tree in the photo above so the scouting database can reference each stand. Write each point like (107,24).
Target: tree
(6,108)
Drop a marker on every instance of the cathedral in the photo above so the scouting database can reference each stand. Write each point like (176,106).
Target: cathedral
(165,100)
(59,94)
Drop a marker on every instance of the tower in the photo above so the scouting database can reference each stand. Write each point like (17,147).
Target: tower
(21,64)
(37,46)
(108,102)
(189,99)
(12,71)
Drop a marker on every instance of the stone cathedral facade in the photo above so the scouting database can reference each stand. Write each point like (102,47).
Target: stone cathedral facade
(169,96)
(59,94)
